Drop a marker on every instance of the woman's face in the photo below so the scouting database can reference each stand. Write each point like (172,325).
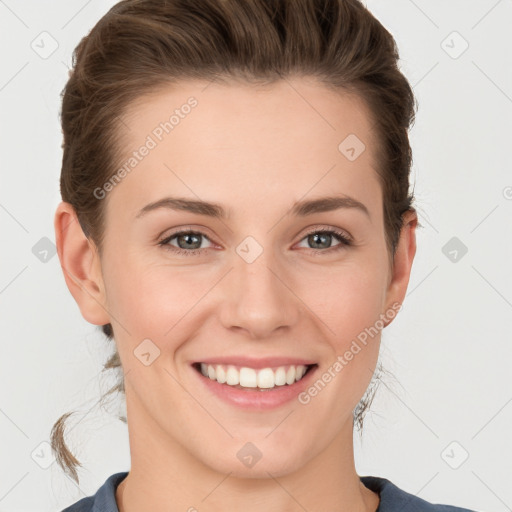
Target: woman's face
(255,283)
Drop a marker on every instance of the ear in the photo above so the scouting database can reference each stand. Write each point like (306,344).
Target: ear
(80,264)
(404,256)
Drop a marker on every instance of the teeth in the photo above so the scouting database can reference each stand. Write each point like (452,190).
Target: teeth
(232,375)
(251,378)
(219,374)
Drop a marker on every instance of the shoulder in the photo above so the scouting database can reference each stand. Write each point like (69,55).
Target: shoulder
(392,496)
(104,500)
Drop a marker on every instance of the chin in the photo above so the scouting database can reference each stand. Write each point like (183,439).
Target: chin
(262,469)
(253,460)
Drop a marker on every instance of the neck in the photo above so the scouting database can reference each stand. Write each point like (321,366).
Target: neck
(165,476)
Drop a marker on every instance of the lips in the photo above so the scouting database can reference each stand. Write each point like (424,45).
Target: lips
(255,363)
(266,395)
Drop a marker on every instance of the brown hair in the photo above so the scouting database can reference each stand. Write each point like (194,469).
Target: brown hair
(140,46)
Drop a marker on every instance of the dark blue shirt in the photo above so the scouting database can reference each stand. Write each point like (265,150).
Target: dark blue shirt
(392,499)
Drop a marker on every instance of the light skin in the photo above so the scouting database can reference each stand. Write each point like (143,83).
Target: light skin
(256,151)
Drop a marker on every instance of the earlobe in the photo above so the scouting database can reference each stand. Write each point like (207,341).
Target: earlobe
(402,265)
(80,265)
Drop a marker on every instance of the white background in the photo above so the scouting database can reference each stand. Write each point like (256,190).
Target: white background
(449,349)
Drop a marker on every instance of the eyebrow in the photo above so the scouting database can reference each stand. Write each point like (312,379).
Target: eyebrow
(300,208)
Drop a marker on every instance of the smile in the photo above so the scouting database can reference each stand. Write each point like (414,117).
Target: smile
(246,377)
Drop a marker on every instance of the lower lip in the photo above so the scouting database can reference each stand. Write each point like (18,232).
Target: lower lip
(254,398)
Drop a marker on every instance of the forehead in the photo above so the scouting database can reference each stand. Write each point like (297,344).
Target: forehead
(213,111)
(206,139)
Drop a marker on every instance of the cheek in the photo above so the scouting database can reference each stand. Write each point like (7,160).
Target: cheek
(346,299)
(154,301)
(159,301)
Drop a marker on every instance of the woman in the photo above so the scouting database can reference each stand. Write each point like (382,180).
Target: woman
(236,216)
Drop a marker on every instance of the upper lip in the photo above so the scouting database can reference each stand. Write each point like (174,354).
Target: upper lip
(264,362)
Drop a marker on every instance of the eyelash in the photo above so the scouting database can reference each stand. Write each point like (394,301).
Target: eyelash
(340,235)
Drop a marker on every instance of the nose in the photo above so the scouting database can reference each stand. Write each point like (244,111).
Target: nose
(260,297)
